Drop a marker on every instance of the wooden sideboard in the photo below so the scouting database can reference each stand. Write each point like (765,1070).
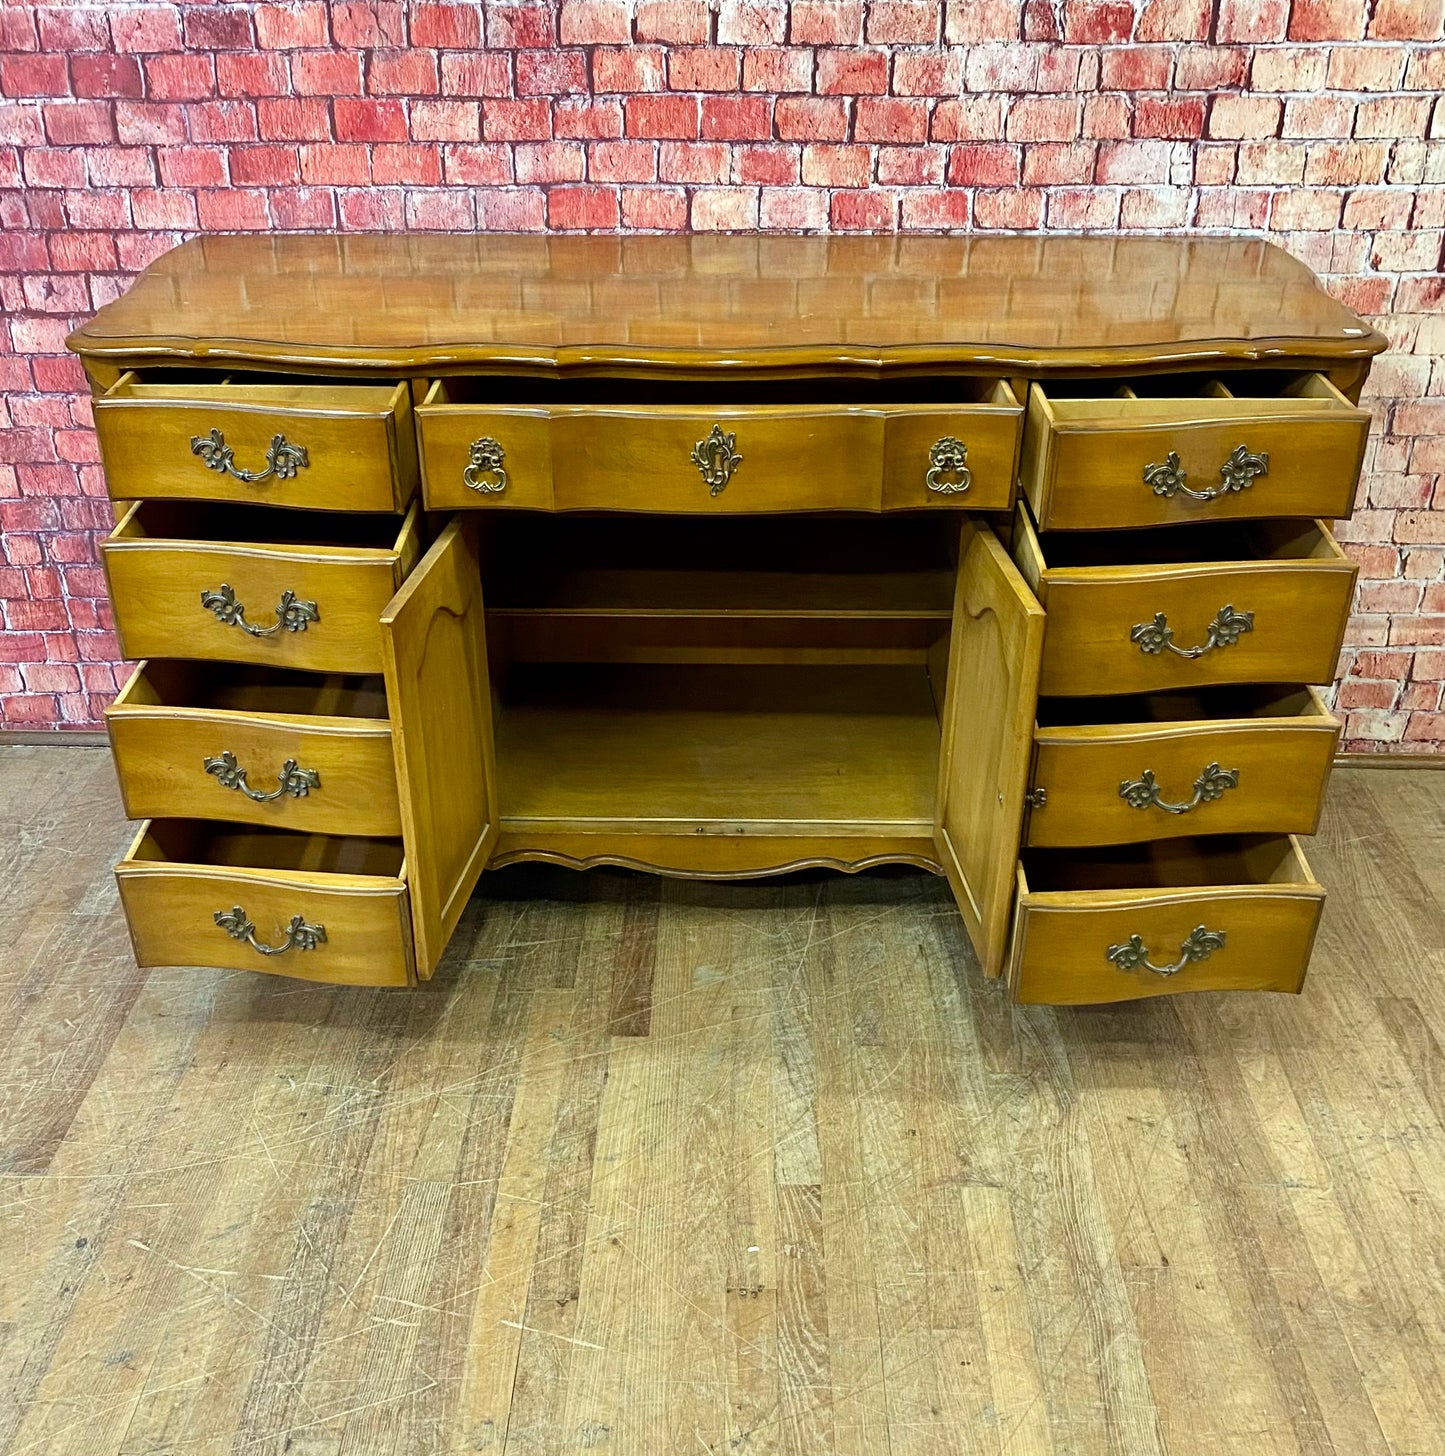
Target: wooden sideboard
(1008,559)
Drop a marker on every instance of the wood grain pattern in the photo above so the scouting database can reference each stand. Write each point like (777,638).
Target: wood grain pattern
(644,303)
(1087,457)
(837,1185)
(359,439)
(156,581)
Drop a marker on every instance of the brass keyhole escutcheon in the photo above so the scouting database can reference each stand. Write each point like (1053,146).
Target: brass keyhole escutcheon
(716,458)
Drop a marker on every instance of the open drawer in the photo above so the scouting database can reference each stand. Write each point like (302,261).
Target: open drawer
(258,745)
(1233,760)
(1119,460)
(1184,606)
(338,447)
(718,458)
(319,907)
(255,584)
(1225,914)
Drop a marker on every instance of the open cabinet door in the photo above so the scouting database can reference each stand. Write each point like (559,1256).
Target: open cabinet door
(434,647)
(988,718)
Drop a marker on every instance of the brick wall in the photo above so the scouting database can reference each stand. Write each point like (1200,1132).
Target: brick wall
(125,127)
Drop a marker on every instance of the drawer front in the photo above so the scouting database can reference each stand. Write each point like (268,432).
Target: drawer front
(317,447)
(172,912)
(723,461)
(294,773)
(1147,782)
(321,615)
(1141,630)
(1062,944)
(1206,459)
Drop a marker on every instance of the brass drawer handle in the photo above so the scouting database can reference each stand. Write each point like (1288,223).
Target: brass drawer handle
(1198,945)
(485,460)
(947,457)
(1224,631)
(1239,472)
(299,935)
(291,614)
(293,780)
(283,459)
(716,458)
(1143,792)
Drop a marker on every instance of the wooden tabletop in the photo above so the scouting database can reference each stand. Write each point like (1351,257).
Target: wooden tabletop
(725,302)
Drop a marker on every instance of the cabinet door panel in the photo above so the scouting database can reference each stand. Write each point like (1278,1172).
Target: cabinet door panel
(993,679)
(435,654)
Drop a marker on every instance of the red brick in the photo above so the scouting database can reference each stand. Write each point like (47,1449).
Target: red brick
(486,165)
(252,75)
(439,210)
(27,75)
(1058,164)
(1105,117)
(590,119)
(874,211)
(1366,68)
(984,164)
(303,209)
(409,164)
(544,162)
(163,209)
(812,118)
(852,73)
(661,116)
(912,166)
(445,121)
(694,162)
(66,30)
(1238,117)
(1392,116)
(1154,208)
(1135,68)
(778,70)
(772,165)
(70,123)
(825,165)
(265,166)
(936,210)
(217,28)
(737,118)
(375,209)
(1326,20)
(1097,22)
(477,75)
(551,73)
(1210,68)
(704,70)
(326,73)
(927,73)
(622,161)
(403,73)
(1156,116)
(826,22)
(1318,116)
(336,165)
(291,27)
(654,209)
(1251,20)
(1361,693)
(1289,68)
(903,22)
(513,121)
(971,21)
(1345,164)
(1087,209)
(283,120)
(977,119)
(581,208)
(521,26)
(1133,162)
(637,68)
(236,210)
(99,76)
(1044,118)
(890,120)
(595,22)
(222,121)
(682,22)
(446,27)
(149,122)
(1022,208)
(146,29)
(17,30)
(752,22)
(725,209)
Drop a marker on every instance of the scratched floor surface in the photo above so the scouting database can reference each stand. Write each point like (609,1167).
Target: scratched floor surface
(655,1168)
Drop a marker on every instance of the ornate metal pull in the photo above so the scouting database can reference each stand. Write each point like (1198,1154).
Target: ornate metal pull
(1143,792)
(1237,473)
(716,457)
(947,458)
(283,459)
(486,459)
(299,935)
(291,615)
(1198,945)
(1224,631)
(298,782)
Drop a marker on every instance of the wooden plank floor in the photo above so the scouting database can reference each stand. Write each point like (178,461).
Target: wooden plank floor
(656,1167)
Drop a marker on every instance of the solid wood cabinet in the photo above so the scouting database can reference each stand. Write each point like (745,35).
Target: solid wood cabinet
(732,556)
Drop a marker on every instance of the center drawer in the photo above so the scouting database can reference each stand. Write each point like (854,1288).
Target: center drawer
(282,588)
(720,459)
(1121,460)
(1234,760)
(339,447)
(1186,606)
(320,907)
(257,745)
(1225,914)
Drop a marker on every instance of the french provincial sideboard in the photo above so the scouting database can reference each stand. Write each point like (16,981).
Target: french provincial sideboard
(1004,558)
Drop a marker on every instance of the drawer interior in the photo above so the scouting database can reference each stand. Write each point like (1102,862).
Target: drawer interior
(227,524)
(1226,859)
(1197,541)
(237,687)
(328,396)
(1209,704)
(519,389)
(199,842)
(1190,398)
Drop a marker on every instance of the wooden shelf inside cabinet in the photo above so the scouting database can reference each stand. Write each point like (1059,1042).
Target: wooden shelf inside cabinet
(718,750)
